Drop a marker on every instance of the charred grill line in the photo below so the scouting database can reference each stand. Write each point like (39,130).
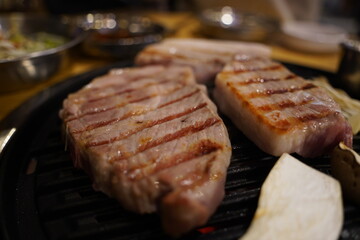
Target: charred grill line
(136,113)
(269,92)
(130,89)
(284,104)
(197,127)
(199,149)
(121,104)
(179,99)
(263,80)
(314,116)
(118,93)
(104,123)
(254,69)
(148,125)
(129,79)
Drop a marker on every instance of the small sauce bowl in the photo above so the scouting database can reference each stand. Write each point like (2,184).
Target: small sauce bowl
(118,36)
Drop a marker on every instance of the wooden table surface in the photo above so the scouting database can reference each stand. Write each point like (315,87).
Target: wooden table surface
(181,25)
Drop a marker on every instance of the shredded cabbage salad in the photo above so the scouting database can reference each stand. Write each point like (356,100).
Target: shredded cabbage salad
(13,45)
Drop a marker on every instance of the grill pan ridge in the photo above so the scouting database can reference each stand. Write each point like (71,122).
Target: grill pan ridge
(43,196)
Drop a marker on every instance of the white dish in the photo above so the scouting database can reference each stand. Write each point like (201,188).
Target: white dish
(312,37)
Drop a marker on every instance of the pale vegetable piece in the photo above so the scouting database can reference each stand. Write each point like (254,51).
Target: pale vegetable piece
(349,106)
(297,202)
(345,166)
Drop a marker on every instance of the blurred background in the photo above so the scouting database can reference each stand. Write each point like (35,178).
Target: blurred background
(302,32)
(343,13)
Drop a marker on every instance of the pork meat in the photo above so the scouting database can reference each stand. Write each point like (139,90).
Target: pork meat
(278,110)
(151,138)
(206,57)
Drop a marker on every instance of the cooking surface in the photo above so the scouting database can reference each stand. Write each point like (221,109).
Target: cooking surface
(43,196)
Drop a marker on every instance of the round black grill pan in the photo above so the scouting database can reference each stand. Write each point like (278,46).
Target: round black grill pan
(43,196)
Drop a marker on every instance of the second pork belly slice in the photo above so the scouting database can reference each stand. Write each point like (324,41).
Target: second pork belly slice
(278,110)
(154,147)
(205,57)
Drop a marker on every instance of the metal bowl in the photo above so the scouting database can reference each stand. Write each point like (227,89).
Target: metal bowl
(229,23)
(118,36)
(22,72)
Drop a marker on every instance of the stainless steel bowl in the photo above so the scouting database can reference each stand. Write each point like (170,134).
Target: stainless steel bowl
(22,72)
(229,23)
(118,35)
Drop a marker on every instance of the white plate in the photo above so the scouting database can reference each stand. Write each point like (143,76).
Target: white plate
(312,37)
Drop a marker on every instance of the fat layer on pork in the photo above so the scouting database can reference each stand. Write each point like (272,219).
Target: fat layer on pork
(278,110)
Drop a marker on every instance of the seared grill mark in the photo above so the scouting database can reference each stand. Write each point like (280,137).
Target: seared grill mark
(254,69)
(198,149)
(108,122)
(287,103)
(119,105)
(147,125)
(117,93)
(311,113)
(123,91)
(315,116)
(268,92)
(263,80)
(128,79)
(179,99)
(136,113)
(283,124)
(71,118)
(197,127)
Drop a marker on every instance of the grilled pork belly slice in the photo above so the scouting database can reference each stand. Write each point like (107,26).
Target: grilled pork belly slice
(152,141)
(297,202)
(278,110)
(206,57)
